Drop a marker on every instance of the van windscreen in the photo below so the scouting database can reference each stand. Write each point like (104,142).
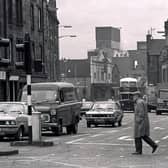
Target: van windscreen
(40,95)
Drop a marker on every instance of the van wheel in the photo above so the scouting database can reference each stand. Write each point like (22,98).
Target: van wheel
(69,129)
(57,130)
(75,128)
(158,113)
(88,125)
(120,123)
(19,135)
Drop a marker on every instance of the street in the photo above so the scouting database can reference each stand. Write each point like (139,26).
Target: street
(95,147)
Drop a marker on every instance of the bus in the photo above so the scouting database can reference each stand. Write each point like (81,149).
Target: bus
(128,86)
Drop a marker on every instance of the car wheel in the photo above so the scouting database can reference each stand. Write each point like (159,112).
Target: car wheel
(158,112)
(88,124)
(58,130)
(120,123)
(19,135)
(113,124)
(69,129)
(75,128)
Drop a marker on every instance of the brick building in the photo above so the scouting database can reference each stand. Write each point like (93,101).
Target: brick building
(37,17)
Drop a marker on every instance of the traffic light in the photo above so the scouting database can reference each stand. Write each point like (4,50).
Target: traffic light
(27,54)
(26,49)
(4,42)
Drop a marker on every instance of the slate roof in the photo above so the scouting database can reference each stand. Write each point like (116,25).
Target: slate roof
(76,68)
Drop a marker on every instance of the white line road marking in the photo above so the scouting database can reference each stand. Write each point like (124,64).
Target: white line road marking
(111,131)
(112,144)
(166,137)
(96,135)
(74,141)
(157,141)
(123,137)
(158,128)
(71,165)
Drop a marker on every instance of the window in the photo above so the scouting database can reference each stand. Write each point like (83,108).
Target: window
(33,50)
(19,55)
(67,94)
(38,55)
(94,75)
(32,16)
(10,11)
(19,12)
(39,19)
(102,75)
(163,75)
(136,64)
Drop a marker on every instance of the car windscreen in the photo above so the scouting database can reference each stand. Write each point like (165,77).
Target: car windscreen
(163,94)
(87,105)
(11,108)
(104,107)
(40,95)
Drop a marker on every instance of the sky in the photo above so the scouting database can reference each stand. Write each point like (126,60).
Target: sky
(134,18)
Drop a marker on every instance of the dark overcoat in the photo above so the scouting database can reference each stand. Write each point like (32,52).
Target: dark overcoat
(141,120)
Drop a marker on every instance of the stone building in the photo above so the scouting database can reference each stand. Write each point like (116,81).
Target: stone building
(36,17)
(154,48)
(96,78)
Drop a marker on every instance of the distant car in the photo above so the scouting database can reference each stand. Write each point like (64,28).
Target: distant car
(86,106)
(105,112)
(13,119)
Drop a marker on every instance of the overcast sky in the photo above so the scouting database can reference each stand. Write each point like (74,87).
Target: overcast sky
(134,17)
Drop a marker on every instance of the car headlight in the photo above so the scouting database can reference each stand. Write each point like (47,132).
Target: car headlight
(53,112)
(10,122)
(13,122)
(7,123)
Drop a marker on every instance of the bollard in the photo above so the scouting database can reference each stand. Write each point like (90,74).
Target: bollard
(36,126)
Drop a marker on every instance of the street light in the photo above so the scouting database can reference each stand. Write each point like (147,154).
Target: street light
(71,36)
(65,26)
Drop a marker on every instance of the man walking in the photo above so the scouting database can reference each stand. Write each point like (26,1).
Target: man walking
(141,125)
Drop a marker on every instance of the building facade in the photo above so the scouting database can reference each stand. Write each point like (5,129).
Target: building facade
(154,48)
(105,76)
(108,37)
(18,17)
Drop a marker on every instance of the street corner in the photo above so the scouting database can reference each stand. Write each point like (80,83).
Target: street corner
(8,151)
(43,143)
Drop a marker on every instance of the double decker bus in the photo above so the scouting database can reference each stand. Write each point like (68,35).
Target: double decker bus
(128,86)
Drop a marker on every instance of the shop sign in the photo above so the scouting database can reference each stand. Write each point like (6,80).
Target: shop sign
(14,78)
(2,75)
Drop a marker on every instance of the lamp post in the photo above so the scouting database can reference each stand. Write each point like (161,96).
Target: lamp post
(62,73)
(71,36)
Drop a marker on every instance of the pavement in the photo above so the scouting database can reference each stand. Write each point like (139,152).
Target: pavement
(11,148)
(6,150)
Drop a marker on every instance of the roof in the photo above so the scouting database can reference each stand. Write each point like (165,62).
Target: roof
(13,102)
(50,85)
(75,68)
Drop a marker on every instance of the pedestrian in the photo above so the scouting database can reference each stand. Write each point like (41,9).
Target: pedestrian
(141,125)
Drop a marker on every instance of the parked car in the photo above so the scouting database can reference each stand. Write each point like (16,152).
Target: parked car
(14,119)
(86,106)
(105,112)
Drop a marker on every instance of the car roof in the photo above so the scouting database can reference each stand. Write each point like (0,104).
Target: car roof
(104,102)
(13,102)
(50,85)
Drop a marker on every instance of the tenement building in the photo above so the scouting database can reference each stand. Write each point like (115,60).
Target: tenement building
(37,18)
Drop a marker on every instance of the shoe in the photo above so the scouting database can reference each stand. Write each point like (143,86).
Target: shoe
(137,153)
(154,148)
